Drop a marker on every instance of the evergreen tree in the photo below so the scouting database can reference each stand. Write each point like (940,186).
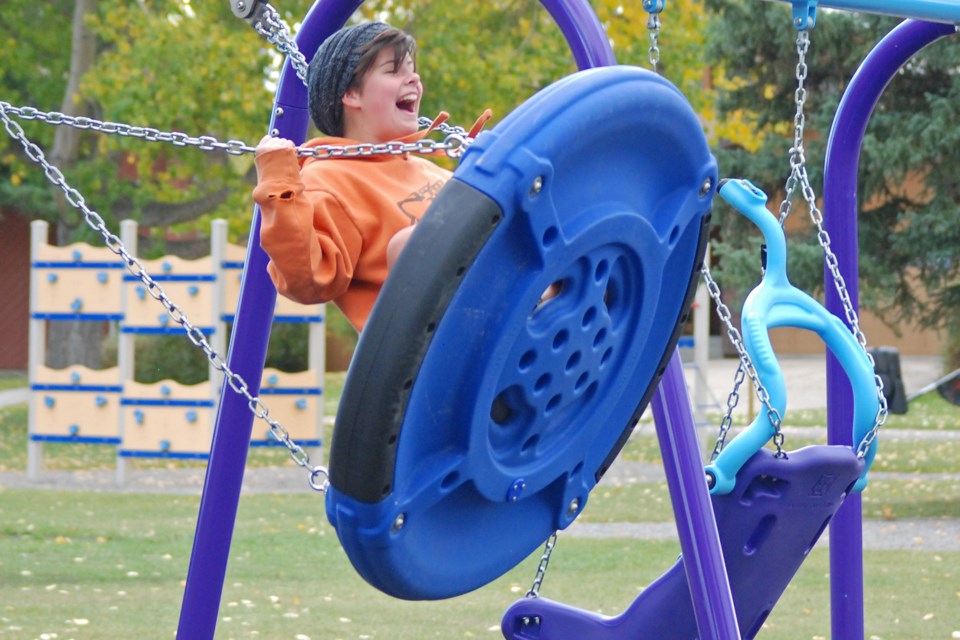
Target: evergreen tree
(909,197)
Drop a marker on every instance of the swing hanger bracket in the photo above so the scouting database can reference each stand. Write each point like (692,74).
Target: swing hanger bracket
(249,10)
(804,14)
(654,6)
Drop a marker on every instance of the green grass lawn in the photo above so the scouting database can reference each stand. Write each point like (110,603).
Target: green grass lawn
(929,411)
(12,381)
(113,566)
(103,566)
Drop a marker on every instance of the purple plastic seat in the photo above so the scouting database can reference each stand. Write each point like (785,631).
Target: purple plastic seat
(768,524)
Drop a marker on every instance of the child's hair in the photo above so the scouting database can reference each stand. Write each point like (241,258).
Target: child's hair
(340,64)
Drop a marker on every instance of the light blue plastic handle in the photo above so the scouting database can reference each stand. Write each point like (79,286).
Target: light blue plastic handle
(777,303)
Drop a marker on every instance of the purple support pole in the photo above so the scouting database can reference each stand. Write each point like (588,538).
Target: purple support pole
(248,348)
(584,33)
(692,509)
(840,200)
(696,525)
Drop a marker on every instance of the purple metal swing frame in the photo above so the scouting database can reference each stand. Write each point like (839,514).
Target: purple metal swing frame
(699,540)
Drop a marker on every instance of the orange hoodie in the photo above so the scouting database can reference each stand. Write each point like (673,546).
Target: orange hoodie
(326,223)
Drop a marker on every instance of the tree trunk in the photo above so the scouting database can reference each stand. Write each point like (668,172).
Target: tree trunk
(83,52)
(74,342)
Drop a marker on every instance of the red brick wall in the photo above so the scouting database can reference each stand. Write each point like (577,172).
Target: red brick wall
(14,290)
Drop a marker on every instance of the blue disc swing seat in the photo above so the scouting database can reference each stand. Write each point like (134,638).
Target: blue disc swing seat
(478,412)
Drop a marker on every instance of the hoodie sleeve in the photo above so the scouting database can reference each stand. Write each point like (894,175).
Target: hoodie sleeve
(312,242)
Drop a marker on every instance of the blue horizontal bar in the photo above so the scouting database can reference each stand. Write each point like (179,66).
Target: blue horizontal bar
(164,331)
(274,443)
(231,264)
(163,454)
(685,342)
(288,318)
(127,277)
(36,437)
(88,317)
(932,10)
(77,387)
(75,265)
(231,317)
(291,391)
(160,402)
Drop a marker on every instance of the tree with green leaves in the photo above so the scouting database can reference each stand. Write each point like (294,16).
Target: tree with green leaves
(193,67)
(909,200)
(166,64)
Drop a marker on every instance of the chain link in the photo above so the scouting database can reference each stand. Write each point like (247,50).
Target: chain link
(319,477)
(799,177)
(746,366)
(534,591)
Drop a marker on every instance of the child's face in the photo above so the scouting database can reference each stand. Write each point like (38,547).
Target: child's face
(387,104)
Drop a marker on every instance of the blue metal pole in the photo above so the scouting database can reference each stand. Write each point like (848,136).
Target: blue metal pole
(248,348)
(840,200)
(947,11)
(692,509)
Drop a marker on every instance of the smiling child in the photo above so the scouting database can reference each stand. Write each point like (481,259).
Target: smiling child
(328,225)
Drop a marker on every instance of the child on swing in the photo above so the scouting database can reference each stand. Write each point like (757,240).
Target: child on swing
(333,228)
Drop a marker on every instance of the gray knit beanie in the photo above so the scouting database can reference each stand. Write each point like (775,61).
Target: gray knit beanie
(332,70)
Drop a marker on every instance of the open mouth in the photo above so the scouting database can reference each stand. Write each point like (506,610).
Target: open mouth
(408,104)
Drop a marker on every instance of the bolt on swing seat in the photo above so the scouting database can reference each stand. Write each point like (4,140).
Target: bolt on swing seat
(770,510)
(478,412)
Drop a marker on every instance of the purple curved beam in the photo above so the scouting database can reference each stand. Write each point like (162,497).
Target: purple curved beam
(840,200)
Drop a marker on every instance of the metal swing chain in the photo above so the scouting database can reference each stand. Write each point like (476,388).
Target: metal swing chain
(745,367)
(653,28)
(799,177)
(534,591)
(797,157)
(653,9)
(319,477)
(269,24)
(455,142)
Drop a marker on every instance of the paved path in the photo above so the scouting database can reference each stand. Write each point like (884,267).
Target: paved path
(940,534)
(805,377)
(14,396)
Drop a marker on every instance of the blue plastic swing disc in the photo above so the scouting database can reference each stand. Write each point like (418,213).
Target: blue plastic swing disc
(521,333)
